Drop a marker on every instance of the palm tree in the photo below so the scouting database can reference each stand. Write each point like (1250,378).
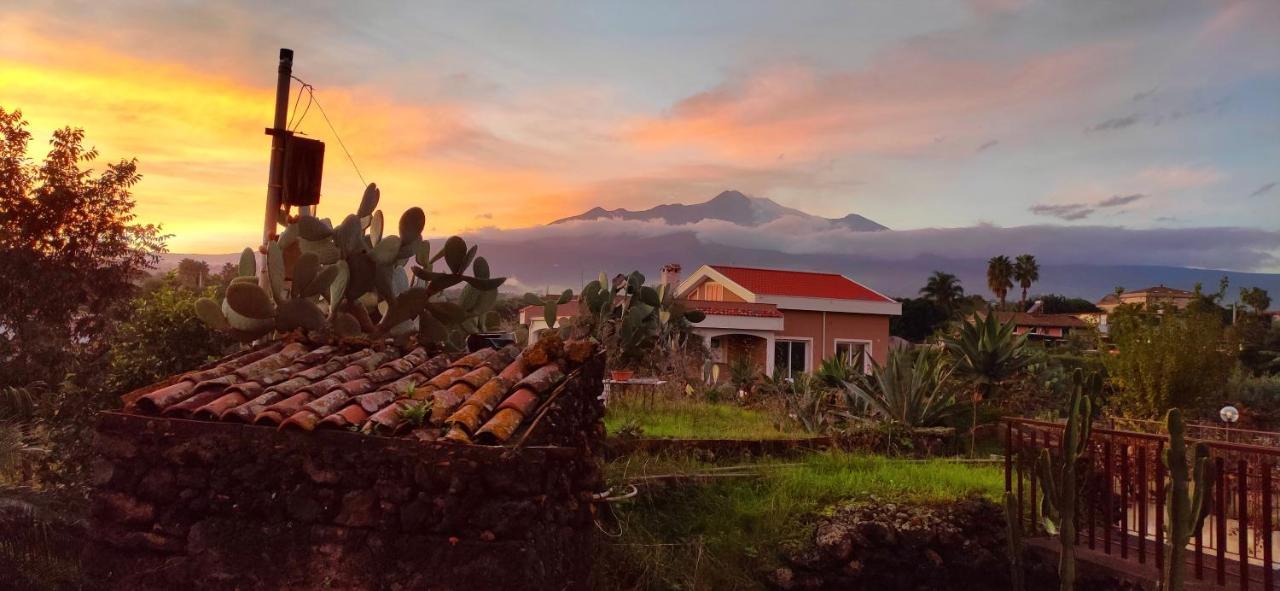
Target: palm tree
(986,352)
(943,289)
(1026,271)
(1000,277)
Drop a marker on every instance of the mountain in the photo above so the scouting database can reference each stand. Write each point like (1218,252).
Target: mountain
(729,206)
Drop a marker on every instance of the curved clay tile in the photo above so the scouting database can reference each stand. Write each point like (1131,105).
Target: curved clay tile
(245,413)
(351,416)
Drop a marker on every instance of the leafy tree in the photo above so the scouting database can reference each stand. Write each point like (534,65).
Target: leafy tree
(161,336)
(192,273)
(1052,303)
(919,320)
(1256,298)
(986,352)
(1026,271)
(943,289)
(1166,361)
(1000,277)
(70,251)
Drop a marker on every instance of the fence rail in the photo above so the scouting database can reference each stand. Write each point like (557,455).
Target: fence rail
(1123,496)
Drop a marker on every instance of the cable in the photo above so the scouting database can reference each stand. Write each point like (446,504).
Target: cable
(312,92)
(310,99)
(294,111)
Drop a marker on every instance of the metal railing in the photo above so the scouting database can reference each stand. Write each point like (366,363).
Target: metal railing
(1123,497)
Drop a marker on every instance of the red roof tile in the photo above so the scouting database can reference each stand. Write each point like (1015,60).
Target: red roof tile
(717,308)
(298,386)
(804,284)
(1046,320)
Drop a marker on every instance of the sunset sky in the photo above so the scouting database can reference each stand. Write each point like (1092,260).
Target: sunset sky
(1141,115)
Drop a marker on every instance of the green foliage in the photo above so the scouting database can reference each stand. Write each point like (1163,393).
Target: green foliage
(1185,510)
(743,373)
(70,253)
(637,324)
(911,389)
(1166,361)
(943,290)
(723,534)
(159,337)
(1026,271)
(835,371)
(986,352)
(1016,551)
(1000,277)
(1256,298)
(920,319)
(415,414)
(1052,303)
(686,417)
(342,279)
(807,400)
(1059,478)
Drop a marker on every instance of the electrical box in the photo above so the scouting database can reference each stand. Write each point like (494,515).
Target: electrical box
(303,168)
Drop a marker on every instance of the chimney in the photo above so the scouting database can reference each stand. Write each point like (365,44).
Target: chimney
(670,274)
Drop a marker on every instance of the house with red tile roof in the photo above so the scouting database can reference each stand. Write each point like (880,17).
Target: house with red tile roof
(783,320)
(787,321)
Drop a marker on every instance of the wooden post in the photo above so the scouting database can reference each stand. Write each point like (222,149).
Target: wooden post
(275,176)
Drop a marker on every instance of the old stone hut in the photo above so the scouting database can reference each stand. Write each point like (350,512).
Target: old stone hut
(354,466)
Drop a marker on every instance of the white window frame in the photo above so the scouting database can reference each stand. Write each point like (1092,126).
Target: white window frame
(808,353)
(867,345)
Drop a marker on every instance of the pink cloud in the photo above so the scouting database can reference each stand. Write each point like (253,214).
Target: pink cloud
(1177,178)
(898,105)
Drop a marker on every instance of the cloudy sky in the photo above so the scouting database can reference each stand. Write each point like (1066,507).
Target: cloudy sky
(1120,118)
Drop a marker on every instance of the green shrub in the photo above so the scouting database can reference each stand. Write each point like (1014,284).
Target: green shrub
(1177,360)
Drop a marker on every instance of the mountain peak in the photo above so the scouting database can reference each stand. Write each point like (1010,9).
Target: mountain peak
(731,206)
(729,196)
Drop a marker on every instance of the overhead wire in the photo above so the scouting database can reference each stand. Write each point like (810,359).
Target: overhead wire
(311,93)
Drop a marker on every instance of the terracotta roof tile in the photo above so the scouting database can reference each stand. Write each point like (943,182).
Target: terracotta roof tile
(719,308)
(805,284)
(488,393)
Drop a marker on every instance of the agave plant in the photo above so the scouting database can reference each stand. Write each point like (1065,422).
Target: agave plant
(335,280)
(910,389)
(986,352)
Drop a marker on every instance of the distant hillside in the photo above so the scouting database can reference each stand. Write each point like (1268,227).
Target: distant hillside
(729,206)
(557,262)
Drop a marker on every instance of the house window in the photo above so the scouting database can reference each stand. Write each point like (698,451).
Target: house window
(790,357)
(713,292)
(856,353)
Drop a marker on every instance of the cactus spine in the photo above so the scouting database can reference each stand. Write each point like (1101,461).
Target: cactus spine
(1186,510)
(1058,476)
(1017,574)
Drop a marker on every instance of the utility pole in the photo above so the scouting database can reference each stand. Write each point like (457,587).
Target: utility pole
(275,177)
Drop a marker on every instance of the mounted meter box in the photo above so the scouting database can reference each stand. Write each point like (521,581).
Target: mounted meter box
(303,168)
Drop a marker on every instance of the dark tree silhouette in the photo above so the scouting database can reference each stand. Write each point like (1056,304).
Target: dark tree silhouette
(70,250)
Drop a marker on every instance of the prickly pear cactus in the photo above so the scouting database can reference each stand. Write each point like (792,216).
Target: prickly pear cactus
(333,282)
(1186,501)
(1059,476)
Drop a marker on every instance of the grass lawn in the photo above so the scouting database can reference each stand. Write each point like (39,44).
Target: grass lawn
(677,417)
(725,532)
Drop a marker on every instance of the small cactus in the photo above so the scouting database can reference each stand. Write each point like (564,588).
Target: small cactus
(1186,506)
(1058,476)
(1017,572)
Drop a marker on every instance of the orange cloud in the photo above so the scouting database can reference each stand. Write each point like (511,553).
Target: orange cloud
(203,154)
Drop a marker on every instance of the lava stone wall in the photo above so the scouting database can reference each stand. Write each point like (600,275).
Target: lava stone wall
(210,505)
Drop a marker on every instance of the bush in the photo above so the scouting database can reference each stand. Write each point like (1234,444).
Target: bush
(1176,360)
(1258,398)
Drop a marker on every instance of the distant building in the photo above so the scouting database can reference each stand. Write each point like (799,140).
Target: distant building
(785,321)
(1040,326)
(1149,297)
